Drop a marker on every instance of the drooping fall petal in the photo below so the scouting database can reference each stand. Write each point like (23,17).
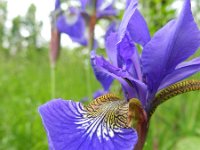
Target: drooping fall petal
(105,79)
(132,87)
(100,125)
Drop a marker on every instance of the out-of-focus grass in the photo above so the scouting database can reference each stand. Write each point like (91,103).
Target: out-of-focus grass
(25,84)
(175,120)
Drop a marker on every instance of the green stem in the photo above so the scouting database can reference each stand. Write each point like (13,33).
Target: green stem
(53,56)
(92,23)
(88,83)
(53,81)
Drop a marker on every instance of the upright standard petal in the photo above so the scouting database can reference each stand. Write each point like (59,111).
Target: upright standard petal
(128,57)
(100,125)
(70,27)
(111,43)
(126,18)
(138,29)
(123,54)
(134,23)
(182,71)
(171,45)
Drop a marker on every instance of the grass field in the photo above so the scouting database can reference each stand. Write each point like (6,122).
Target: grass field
(25,83)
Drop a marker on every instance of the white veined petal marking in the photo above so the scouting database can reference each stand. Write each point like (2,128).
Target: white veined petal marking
(104,116)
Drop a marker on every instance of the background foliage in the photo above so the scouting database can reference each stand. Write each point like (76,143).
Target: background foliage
(25,84)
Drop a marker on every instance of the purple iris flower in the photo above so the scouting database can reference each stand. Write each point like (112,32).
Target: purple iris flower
(74,21)
(106,122)
(161,62)
(103,8)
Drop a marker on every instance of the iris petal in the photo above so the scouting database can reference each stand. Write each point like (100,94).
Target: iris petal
(133,88)
(138,29)
(171,45)
(84,3)
(111,47)
(128,57)
(124,54)
(100,125)
(70,29)
(108,11)
(126,50)
(103,4)
(126,18)
(57,4)
(105,79)
(134,23)
(117,73)
(182,72)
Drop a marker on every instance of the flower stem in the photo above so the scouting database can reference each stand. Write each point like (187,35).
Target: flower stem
(92,23)
(87,71)
(54,54)
(91,43)
(137,118)
(53,81)
(142,131)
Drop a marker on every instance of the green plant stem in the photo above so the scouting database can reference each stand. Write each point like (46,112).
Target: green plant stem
(87,70)
(53,80)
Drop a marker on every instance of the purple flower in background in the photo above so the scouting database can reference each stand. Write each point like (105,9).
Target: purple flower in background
(74,21)
(109,122)
(104,8)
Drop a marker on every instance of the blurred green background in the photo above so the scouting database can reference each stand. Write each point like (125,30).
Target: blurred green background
(25,84)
